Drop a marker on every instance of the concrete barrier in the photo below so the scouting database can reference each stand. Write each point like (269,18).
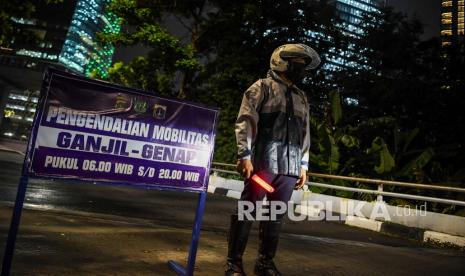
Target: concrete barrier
(404,221)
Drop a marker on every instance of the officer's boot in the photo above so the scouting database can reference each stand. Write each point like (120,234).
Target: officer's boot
(269,237)
(237,241)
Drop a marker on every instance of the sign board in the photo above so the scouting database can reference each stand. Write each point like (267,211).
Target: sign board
(95,131)
(91,130)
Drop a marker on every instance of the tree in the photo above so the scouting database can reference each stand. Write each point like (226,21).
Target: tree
(419,85)
(240,39)
(402,126)
(12,10)
(9,10)
(167,56)
(228,49)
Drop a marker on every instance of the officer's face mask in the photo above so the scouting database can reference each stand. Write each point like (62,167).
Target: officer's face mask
(296,71)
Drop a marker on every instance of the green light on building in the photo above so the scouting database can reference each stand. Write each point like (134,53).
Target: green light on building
(102,54)
(81,51)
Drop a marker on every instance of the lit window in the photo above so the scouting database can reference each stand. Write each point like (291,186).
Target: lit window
(446,21)
(447,15)
(14,106)
(446,32)
(8,113)
(351,101)
(447,3)
(35,54)
(24,21)
(17,97)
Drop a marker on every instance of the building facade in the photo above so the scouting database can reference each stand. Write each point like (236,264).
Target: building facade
(67,40)
(80,51)
(351,14)
(452,21)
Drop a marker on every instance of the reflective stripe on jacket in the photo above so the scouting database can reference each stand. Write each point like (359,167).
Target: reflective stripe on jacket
(274,134)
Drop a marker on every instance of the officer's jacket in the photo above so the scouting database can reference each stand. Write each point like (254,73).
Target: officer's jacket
(273,127)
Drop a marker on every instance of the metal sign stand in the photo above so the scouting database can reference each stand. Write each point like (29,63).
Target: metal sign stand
(189,270)
(15,220)
(23,183)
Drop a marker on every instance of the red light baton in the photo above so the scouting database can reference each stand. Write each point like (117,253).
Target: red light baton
(257,179)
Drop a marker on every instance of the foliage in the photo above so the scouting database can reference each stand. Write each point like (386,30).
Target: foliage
(419,86)
(167,56)
(16,9)
(9,9)
(241,38)
(229,48)
(416,83)
(407,125)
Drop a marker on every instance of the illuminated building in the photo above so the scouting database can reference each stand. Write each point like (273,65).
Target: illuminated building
(452,21)
(80,51)
(67,40)
(351,14)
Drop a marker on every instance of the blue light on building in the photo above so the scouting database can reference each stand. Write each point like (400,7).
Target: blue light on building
(66,31)
(351,14)
(81,52)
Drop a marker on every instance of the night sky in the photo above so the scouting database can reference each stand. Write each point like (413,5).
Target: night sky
(427,11)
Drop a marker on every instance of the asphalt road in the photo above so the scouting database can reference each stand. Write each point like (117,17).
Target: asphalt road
(336,248)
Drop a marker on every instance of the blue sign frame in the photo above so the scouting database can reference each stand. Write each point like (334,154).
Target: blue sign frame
(26,174)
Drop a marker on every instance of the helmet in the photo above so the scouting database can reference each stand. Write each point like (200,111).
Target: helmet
(279,58)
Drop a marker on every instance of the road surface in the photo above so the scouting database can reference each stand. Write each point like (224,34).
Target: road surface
(81,229)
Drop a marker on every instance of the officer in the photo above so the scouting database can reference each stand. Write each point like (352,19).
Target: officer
(273,140)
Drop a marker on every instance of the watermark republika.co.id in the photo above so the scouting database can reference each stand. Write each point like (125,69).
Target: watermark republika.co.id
(323,210)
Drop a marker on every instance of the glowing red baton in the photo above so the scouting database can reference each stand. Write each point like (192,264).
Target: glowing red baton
(257,179)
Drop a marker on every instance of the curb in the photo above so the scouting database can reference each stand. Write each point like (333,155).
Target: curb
(224,192)
(398,230)
(11,150)
(365,223)
(445,239)
(389,228)
(402,230)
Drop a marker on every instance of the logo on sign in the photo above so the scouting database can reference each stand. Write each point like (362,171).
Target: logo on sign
(159,111)
(140,106)
(121,101)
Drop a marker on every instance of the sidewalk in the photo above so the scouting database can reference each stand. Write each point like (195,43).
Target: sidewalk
(13,145)
(51,243)
(55,243)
